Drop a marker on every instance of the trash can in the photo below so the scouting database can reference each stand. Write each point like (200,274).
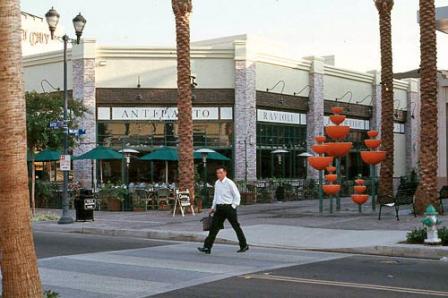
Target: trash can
(280,193)
(85,205)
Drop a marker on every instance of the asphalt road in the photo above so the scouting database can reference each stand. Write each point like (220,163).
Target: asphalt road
(52,244)
(351,276)
(356,276)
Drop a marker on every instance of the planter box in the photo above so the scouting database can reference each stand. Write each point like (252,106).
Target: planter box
(113,204)
(265,197)
(280,193)
(138,209)
(248,198)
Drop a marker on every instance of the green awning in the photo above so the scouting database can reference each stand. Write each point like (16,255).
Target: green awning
(164,153)
(47,155)
(100,153)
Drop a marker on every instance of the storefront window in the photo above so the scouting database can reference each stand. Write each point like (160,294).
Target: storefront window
(146,136)
(353,162)
(150,134)
(292,138)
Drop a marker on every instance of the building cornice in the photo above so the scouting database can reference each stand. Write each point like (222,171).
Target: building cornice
(348,74)
(46,58)
(167,53)
(292,63)
(401,84)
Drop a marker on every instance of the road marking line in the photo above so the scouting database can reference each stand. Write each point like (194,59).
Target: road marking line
(346,284)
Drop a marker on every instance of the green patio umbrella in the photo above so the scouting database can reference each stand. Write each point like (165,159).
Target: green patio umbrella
(100,153)
(47,155)
(164,154)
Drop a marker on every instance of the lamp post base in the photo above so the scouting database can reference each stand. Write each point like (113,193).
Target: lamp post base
(65,220)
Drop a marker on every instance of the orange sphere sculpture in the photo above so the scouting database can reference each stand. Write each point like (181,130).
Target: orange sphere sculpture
(373,156)
(359,197)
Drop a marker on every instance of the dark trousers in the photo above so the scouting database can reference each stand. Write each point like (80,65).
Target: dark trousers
(222,213)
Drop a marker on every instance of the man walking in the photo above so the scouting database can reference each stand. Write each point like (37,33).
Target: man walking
(225,201)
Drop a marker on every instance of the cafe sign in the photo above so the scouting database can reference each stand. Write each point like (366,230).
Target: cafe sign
(161,113)
(281,117)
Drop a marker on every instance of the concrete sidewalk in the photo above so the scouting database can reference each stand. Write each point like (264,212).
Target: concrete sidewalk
(292,225)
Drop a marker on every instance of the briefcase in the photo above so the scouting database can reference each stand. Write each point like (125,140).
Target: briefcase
(207,223)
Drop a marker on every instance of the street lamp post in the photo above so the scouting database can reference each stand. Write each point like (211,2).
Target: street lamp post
(127,156)
(280,153)
(280,192)
(52,17)
(204,154)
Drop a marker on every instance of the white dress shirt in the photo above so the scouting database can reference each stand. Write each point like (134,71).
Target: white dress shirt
(226,192)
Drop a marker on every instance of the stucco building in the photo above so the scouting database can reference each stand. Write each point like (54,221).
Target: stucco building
(247,103)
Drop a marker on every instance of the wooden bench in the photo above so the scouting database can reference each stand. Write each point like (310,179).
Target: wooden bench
(405,196)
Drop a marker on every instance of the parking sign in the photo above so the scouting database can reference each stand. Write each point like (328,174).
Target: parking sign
(65,163)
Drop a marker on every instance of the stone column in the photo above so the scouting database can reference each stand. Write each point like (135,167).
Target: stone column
(83,61)
(245,115)
(412,126)
(441,132)
(315,115)
(375,121)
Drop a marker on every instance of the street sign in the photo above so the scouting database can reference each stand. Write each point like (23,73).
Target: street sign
(65,163)
(57,124)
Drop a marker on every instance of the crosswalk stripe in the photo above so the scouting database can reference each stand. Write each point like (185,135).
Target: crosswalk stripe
(97,283)
(160,263)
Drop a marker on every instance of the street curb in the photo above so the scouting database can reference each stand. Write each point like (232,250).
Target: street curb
(144,234)
(399,250)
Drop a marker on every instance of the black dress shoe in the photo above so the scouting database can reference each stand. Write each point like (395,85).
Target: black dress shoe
(243,249)
(207,251)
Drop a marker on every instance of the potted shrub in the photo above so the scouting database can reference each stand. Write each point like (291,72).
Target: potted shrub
(44,193)
(138,205)
(250,195)
(113,195)
(241,185)
(290,194)
(265,195)
(310,189)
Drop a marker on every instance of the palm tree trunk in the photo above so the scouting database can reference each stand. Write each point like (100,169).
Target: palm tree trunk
(387,97)
(17,255)
(427,189)
(182,10)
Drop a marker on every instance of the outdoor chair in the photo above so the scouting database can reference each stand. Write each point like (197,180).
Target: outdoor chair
(405,196)
(163,195)
(146,196)
(443,195)
(300,189)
